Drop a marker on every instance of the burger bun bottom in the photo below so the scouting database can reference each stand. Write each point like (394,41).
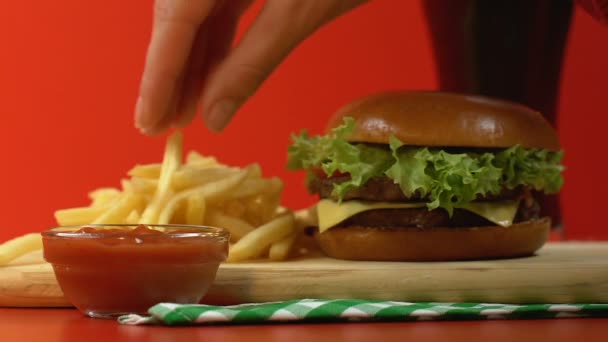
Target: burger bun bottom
(434,244)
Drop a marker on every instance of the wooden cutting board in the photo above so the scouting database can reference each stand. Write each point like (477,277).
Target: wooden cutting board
(560,273)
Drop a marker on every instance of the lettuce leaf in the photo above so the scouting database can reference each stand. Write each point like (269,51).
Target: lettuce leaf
(540,169)
(332,153)
(448,180)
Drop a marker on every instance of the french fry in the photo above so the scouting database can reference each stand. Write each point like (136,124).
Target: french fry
(133,217)
(236,226)
(78,216)
(121,209)
(189,177)
(19,246)
(144,186)
(280,250)
(171,162)
(102,196)
(195,159)
(255,171)
(254,186)
(195,212)
(125,184)
(235,208)
(271,205)
(269,201)
(219,190)
(151,171)
(179,214)
(253,244)
(262,209)
(208,191)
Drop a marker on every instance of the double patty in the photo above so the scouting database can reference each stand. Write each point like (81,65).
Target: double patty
(384,189)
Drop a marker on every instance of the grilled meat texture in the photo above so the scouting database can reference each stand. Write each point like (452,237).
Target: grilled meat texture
(423,218)
(383,189)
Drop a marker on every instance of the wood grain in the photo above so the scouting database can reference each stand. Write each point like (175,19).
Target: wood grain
(30,282)
(560,273)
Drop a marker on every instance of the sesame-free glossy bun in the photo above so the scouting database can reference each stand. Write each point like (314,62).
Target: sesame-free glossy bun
(434,244)
(426,118)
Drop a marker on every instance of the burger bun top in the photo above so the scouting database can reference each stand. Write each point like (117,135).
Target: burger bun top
(427,118)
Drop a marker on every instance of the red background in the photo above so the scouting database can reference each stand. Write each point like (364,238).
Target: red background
(69,73)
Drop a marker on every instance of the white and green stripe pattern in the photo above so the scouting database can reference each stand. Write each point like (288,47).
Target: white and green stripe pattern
(354,310)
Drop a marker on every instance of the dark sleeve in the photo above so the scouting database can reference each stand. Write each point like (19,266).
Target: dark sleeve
(596,8)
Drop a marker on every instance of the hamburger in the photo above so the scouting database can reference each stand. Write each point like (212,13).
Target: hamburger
(430,176)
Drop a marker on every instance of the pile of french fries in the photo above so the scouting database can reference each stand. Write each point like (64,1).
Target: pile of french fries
(197,191)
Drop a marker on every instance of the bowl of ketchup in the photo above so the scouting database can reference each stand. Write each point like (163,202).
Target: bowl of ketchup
(110,270)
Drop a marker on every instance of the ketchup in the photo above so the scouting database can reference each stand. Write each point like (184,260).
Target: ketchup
(106,272)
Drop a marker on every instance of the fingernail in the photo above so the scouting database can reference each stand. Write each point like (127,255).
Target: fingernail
(138,115)
(145,131)
(140,123)
(220,114)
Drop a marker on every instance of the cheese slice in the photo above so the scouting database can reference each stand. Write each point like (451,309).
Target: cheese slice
(331,213)
(500,212)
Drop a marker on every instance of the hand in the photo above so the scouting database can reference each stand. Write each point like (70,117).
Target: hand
(190,57)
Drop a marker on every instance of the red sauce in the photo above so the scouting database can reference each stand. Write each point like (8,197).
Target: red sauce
(105,272)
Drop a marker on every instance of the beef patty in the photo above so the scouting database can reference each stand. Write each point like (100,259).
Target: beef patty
(383,189)
(424,218)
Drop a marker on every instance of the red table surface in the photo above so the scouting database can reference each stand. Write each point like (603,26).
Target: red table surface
(68,324)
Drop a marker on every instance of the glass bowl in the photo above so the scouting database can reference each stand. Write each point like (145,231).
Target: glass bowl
(110,270)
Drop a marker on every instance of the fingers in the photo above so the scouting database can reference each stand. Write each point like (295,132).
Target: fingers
(190,52)
(187,99)
(245,68)
(176,23)
(211,46)
(278,29)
